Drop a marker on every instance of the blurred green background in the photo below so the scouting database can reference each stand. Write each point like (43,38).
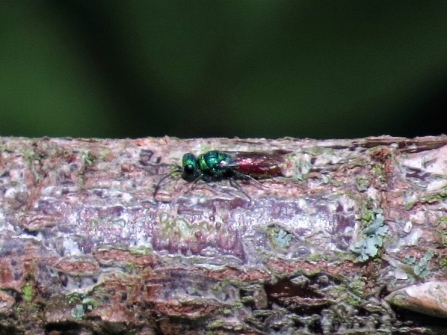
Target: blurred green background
(247,68)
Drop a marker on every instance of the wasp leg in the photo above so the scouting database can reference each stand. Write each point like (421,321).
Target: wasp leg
(194,182)
(157,187)
(236,185)
(243,176)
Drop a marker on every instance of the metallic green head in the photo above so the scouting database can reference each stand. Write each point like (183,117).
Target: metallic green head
(190,167)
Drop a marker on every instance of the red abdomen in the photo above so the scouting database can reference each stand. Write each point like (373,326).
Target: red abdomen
(259,171)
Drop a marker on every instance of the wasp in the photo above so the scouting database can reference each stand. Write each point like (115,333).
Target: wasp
(215,165)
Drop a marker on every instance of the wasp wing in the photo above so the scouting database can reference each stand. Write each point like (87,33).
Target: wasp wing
(257,164)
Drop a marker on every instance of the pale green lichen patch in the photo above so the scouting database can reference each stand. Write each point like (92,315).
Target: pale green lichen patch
(181,229)
(362,183)
(192,237)
(443,262)
(420,268)
(78,312)
(140,251)
(87,157)
(279,237)
(372,236)
(431,198)
(82,305)
(302,168)
(27,292)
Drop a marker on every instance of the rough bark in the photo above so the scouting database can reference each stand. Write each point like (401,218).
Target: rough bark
(349,241)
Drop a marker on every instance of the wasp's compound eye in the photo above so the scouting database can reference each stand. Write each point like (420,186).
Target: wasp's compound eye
(189,169)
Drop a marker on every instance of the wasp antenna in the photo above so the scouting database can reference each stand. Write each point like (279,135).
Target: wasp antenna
(158,164)
(157,187)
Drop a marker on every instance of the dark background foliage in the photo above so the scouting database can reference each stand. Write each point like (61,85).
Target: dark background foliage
(247,68)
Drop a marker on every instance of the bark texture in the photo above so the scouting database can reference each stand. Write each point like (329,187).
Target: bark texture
(351,240)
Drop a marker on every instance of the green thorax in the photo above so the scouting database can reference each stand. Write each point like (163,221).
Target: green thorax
(214,162)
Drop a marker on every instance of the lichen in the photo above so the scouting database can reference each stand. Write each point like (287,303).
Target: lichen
(372,236)
(431,198)
(280,238)
(27,292)
(87,157)
(443,262)
(362,183)
(83,305)
(78,312)
(302,170)
(420,268)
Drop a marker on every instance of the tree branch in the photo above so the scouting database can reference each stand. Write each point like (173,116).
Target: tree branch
(350,240)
